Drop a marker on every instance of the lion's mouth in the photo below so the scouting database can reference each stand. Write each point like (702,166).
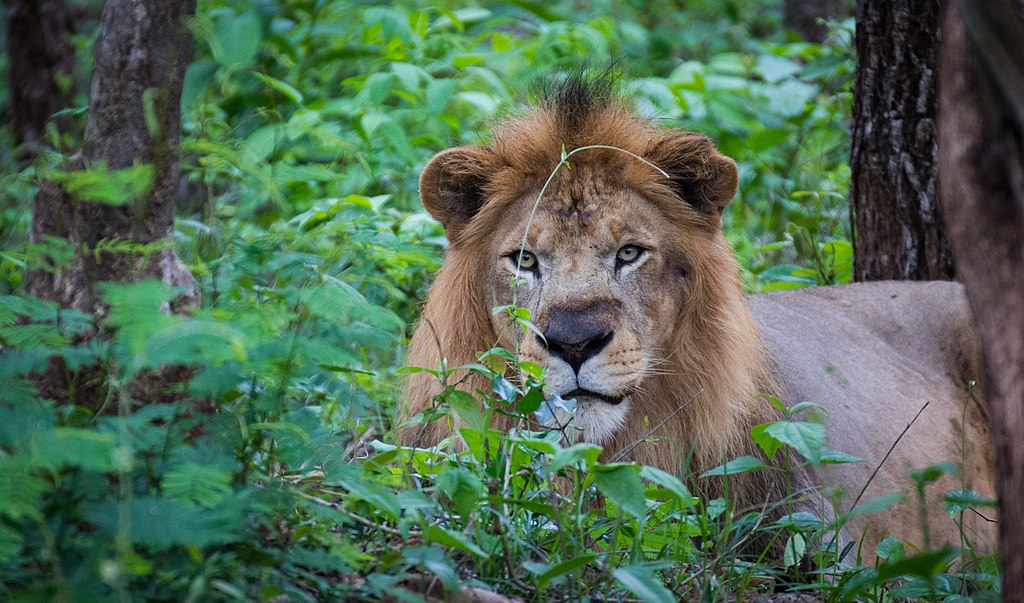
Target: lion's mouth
(586,393)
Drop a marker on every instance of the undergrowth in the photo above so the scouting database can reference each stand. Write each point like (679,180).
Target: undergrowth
(266,470)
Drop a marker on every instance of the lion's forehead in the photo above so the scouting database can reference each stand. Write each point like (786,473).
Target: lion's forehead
(603,219)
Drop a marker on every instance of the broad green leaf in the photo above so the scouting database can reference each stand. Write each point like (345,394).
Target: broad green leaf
(958,501)
(286,89)
(932,473)
(794,551)
(467,408)
(621,484)
(806,438)
(642,581)
(454,540)
(573,455)
(462,487)
(924,565)
(835,457)
(564,568)
(741,464)
(670,483)
(775,68)
(236,39)
(875,505)
(891,549)
(766,441)
(466,60)
(283,427)
(531,401)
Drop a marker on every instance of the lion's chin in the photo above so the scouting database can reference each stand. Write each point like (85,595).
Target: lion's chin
(597,420)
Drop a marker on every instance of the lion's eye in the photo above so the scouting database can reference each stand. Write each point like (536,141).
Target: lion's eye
(527,261)
(628,255)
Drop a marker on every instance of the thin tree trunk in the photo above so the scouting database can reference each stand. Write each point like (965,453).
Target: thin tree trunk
(38,55)
(899,230)
(134,118)
(981,130)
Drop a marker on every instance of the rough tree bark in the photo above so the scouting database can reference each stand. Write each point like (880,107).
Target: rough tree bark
(38,53)
(134,118)
(899,230)
(802,16)
(981,135)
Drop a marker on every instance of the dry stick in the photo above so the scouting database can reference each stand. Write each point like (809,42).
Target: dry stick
(856,500)
(886,457)
(640,440)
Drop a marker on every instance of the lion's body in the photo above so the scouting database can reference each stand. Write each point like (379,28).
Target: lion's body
(873,354)
(631,281)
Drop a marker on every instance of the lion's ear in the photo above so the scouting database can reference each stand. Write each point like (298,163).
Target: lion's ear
(452,186)
(698,173)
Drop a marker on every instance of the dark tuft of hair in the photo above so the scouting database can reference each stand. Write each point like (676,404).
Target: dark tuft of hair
(576,95)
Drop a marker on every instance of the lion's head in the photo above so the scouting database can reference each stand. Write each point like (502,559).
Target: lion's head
(625,272)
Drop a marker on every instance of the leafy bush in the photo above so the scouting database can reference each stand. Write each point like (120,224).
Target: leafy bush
(264,470)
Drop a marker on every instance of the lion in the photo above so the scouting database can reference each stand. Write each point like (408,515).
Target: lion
(637,297)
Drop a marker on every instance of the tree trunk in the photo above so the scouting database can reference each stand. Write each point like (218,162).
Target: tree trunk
(134,119)
(802,16)
(38,54)
(899,230)
(981,129)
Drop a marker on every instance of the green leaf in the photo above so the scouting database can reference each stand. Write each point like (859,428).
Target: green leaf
(875,505)
(466,60)
(891,549)
(10,543)
(741,464)
(924,565)
(563,568)
(286,89)
(642,581)
(161,523)
(531,401)
(958,501)
(101,185)
(454,540)
(467,408)
(236,39)
(191,342)
(932,473)
(205,485)
(621,484)
(670,483)
(68,446)
(766,441)
(20,490)
(574,455)
(462,487)
(807,439)
(283,427)
(835,457)
(794,551)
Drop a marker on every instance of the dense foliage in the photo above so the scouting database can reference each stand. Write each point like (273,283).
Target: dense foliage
(269,471)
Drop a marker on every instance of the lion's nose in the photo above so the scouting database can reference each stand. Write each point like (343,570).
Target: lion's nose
(577,346)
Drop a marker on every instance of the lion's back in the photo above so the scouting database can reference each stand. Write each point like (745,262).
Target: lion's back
(872,354)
